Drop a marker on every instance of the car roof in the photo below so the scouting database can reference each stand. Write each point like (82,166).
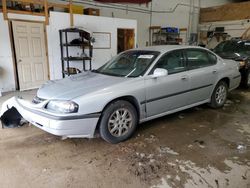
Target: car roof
(166,48)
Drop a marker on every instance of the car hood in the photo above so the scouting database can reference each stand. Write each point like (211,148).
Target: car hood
(77,85)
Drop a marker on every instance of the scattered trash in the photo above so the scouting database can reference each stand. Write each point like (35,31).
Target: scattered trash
(140,164)
(151,139)
(142,155)
(45,169)
(181,116)
(237,101)
(152,160)
(198,108)
(165,150)
(217,182)
(200,142)
(12,118)
(202,126)
(229,102)
(227,182)
(242,148)
(150,156)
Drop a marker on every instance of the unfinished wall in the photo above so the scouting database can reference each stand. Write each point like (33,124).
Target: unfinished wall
(7,81)
(234,17)
(59,21)
(93,23)
(233,28)
(176,13)
(7,75)
(212,3)
(228,12)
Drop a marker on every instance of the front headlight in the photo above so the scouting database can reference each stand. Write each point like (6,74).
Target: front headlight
(242,63)
(62,106)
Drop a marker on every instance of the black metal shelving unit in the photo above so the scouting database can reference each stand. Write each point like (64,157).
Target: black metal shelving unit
(85,44)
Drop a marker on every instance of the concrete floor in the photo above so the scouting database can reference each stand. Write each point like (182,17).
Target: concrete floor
(199,147)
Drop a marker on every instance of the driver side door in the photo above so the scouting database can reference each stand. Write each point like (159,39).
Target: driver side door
(169,92)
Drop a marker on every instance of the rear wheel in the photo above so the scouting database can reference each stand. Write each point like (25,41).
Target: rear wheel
(219,95)
(118,122)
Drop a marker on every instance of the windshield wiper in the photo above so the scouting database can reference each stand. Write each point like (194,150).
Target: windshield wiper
(130,72)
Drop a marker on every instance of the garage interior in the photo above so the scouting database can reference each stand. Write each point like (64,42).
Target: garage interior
(197,147)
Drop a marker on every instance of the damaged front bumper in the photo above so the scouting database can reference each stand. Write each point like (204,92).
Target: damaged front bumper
(65,125)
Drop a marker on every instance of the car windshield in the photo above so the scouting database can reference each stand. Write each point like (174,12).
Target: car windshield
(233,47)
(132,63)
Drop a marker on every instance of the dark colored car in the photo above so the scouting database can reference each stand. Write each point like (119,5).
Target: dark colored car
(238,50)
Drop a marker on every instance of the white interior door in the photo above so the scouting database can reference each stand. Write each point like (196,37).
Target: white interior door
(29,42)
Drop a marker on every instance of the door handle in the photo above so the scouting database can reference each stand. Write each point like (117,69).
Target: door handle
(214,71)
(184,77)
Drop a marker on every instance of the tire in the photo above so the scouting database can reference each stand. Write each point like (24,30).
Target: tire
(246,79)
(113,127)
(219,95)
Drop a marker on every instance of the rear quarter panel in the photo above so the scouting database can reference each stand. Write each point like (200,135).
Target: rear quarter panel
(229,69)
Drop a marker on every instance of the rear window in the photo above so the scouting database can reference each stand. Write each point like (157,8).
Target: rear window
(232,46)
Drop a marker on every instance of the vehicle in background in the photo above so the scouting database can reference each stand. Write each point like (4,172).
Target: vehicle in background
(135,86)
(238,50)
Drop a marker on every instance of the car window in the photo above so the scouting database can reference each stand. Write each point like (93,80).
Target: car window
(232,46)
(212,58)
(173,62)
(198,59)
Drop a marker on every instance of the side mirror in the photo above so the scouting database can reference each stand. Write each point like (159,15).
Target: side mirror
(160,73)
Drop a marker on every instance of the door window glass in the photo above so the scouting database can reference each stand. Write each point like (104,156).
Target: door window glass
(173,62)
(198,59)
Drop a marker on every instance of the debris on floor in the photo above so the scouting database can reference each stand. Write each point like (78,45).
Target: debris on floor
(12,118)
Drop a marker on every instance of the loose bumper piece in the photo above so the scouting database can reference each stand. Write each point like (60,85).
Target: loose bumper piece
(12,118)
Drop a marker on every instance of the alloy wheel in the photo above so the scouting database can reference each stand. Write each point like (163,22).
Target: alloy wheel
(221,94)
(120,122)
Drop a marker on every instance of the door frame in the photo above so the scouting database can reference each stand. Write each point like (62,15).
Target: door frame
(126,29)
(13,51)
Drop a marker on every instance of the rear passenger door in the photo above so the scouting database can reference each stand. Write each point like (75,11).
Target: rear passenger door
(202,73)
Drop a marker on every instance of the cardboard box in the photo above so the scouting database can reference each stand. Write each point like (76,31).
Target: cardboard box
(92,11)
(77,9)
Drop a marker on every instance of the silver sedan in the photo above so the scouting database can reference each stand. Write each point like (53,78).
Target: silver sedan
(133,87)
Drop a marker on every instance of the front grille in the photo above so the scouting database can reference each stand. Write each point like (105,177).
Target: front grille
(37,100)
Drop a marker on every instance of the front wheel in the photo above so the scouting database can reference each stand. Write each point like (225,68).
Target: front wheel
(219,95)
(118,121)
